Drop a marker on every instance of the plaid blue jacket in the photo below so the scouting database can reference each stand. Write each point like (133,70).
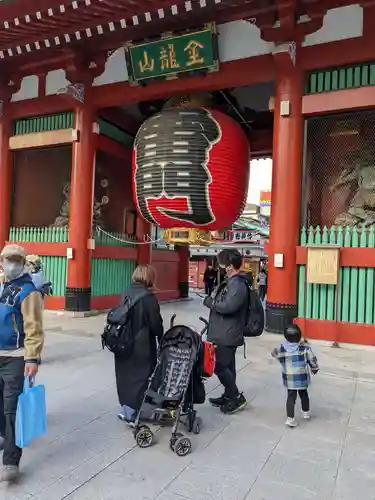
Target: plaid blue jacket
(296,360)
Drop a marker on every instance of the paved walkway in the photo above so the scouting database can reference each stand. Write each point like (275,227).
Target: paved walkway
(89,455)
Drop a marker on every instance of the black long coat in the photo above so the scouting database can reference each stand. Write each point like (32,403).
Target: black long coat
(132,374)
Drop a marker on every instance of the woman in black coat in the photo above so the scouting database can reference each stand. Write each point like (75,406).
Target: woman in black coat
(132,373)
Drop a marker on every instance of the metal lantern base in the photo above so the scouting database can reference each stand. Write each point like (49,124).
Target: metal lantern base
(279,316)
(184,289)
(77,299)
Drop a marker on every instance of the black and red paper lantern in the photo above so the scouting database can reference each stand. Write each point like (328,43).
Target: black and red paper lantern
(190,169)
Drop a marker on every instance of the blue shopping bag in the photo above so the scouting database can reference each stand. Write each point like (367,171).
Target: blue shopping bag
(31,418)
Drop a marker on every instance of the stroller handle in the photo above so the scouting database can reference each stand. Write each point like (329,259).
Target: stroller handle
(200,318)
(205,324)
(172,320)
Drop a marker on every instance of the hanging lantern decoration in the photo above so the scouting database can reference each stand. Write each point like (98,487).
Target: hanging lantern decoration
(190,169)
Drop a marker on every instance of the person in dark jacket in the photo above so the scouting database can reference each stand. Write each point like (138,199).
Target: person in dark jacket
(228,315)
(132,373)
(209,279)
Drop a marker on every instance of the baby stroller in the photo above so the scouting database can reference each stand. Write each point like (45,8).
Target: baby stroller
(174,387)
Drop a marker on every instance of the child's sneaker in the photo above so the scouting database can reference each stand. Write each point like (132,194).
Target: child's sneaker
(306,415)
(291,422)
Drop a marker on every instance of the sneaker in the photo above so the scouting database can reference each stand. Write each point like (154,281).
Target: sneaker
(291,422)
(123,418)
(2,442)
(231,406)
(306,415)
(10,473)
(218,402)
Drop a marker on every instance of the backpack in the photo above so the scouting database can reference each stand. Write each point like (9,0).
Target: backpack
(255,317)
(118,335)
(209,359)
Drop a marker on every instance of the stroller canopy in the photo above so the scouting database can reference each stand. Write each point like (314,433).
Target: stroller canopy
(181,336)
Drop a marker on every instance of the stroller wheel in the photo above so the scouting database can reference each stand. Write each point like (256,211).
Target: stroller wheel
(144,437)
(197,425)
(174,439)
(182,446)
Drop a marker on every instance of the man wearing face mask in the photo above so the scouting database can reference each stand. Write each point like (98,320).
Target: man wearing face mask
(228,315)
(21,343)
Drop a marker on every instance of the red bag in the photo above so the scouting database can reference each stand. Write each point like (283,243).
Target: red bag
(209,359)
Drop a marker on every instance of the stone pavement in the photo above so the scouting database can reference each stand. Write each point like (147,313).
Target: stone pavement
(89,455)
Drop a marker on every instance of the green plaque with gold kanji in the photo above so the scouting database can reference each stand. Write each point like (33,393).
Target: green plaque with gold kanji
(172,55)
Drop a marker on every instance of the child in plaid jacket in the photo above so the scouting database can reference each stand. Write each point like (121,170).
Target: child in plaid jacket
(297,360)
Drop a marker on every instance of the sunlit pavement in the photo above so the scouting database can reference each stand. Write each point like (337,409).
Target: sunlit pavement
(89,455)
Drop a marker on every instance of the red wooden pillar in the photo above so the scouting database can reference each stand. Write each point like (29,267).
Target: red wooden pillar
(78,291)
(183,270)
(286,195)
(143,230)
(6,177)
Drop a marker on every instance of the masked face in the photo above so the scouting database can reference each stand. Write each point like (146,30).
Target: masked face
(228,269)
(13,269)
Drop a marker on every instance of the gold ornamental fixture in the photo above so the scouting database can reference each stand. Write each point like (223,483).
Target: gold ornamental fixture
(185,236)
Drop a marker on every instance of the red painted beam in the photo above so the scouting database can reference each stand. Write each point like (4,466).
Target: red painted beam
(38,62)
(349,257)
(113,252)
(331,102)
(97,8)
(44,249)
(97,13)
(313,57)
(231,74)
(334,54)
(40,106)
(112,148)
(19,8)
(182,22)
(350,333)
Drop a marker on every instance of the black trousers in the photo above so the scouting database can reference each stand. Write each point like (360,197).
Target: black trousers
(291,401)
(208,287)
(225,370)
(11,386)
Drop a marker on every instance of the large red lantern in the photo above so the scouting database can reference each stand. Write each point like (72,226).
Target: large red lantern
(190,169)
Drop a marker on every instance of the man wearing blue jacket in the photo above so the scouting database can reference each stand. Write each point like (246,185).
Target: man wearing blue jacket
(21,343)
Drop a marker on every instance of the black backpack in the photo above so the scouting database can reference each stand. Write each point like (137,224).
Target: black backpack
(255,317)
(118,335)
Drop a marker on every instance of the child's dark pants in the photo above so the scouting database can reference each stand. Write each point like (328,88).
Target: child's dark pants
(291,401)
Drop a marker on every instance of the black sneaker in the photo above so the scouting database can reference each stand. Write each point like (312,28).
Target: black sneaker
(218,402)
(232,406)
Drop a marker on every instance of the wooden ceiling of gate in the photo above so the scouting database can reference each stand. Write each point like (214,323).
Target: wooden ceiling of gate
(34,33)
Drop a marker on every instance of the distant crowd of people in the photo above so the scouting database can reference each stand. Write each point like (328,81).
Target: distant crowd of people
(213,277)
